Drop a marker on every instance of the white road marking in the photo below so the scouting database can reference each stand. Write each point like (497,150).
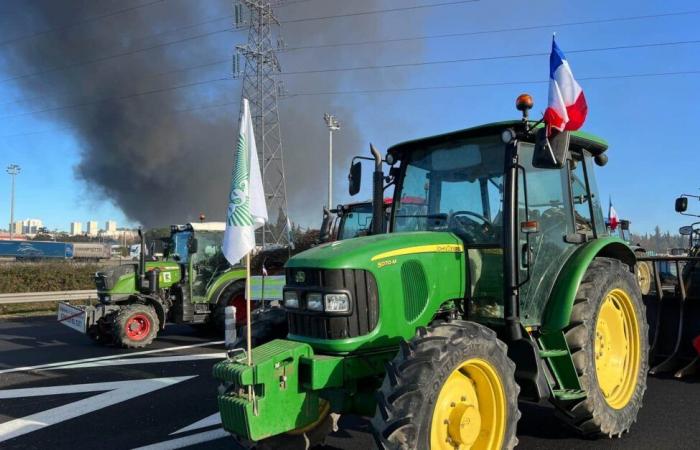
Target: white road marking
(102,358)
(214,419)
(134,361)
(187,440)
(119,391)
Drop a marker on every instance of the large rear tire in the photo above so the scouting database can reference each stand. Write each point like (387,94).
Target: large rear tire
(232,295)
(135,326)
(608,339)
(451,387)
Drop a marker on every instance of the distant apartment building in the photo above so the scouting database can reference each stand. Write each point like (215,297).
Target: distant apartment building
(92,229)
(111,227)
(31,226)
(17,228)
(76,228)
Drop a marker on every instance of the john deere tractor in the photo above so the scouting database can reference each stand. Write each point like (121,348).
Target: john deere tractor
(192,284)
(504,285)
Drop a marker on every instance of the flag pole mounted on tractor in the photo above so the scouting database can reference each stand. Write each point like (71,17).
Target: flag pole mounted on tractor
(246,211)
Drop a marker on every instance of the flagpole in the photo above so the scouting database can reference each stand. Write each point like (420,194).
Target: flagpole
(247,318)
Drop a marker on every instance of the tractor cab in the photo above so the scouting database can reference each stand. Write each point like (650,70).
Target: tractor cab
(528,217)
(196,247)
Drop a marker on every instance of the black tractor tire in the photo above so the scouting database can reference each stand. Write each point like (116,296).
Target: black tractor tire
(230,292)
(409,395)
(135,326)
(594,415)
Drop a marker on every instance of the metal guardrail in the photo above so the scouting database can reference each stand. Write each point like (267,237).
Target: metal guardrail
(55,296)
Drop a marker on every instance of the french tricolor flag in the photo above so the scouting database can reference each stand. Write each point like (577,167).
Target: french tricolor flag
(567,106)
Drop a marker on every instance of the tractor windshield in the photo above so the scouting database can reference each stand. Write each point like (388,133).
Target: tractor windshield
(179,242)
(460,188)
(355,222)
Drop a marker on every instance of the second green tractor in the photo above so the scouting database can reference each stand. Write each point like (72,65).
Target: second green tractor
(501,284)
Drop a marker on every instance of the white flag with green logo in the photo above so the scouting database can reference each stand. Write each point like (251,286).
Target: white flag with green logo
(247,210)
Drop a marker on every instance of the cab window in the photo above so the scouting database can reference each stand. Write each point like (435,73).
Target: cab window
(580,197)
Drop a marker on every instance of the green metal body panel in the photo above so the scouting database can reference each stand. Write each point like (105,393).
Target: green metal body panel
(126,284)
(441,257)
(221,281)
(558,311)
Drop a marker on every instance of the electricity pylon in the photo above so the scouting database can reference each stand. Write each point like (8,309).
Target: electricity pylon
(262,88)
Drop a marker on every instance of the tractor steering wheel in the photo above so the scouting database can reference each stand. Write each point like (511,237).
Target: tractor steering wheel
(484,228)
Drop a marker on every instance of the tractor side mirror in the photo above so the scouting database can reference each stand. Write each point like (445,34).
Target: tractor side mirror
(624,225)
(685,231)
(355,178)
(681,204)
(192,246)
(552,152)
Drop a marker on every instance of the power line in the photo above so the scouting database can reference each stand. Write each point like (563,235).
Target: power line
(501,30)
(79,22)
(420,63)
(486,58)
(160,74)
(119,98)
(407,89)
(379,11)
(117,55)
(490,84)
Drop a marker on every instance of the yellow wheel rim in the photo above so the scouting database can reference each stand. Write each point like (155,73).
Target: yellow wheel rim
(644,277)
(470,412)
(617,348)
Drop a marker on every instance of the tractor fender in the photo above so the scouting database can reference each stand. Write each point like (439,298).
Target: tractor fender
(558,311)
(157,304)
(222,282)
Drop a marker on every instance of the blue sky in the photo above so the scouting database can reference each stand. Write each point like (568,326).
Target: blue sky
(648,121)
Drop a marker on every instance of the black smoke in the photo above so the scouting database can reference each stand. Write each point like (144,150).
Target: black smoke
(165,157)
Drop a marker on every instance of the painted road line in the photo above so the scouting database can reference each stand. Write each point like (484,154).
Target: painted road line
(118,391)
(139,361)
(186,441)
(102,358)
(214,419)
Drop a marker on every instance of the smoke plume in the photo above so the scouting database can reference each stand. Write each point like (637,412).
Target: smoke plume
(156,125)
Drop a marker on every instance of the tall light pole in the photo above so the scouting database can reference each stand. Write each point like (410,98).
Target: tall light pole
(13,170)
(333,125)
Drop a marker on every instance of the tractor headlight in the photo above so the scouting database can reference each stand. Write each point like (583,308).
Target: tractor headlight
(314,301)
(291,300)
(339,303)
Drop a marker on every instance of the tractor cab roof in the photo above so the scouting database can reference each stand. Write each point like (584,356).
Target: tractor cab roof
(579,139)
(199,226)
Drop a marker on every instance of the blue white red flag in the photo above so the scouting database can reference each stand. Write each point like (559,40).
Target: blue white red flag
(567,106)
(613,220)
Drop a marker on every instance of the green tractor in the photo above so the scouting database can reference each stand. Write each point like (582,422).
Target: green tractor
(191,284)
(502,284)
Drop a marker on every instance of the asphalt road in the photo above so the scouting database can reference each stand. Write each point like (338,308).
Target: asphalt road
(58,390)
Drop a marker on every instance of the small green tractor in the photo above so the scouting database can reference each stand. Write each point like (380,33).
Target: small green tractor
(501,284)
(191,284)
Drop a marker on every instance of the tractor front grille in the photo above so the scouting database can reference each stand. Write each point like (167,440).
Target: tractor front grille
(364,296)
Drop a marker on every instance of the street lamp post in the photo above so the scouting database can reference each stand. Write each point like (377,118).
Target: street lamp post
(13,170)
(333,125)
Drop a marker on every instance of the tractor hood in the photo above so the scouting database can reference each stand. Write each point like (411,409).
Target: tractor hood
(375,251)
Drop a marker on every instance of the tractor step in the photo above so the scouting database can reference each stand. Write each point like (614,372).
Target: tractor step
(552,353)
(569,394)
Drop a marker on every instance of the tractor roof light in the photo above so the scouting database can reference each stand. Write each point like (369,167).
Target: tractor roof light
(524,103)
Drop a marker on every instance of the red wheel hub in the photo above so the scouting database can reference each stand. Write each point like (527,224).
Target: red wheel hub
(138,326)
(696,344)
(238,301)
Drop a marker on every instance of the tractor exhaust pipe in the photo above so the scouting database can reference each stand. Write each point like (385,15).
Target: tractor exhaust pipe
(142,261)
(377,193)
